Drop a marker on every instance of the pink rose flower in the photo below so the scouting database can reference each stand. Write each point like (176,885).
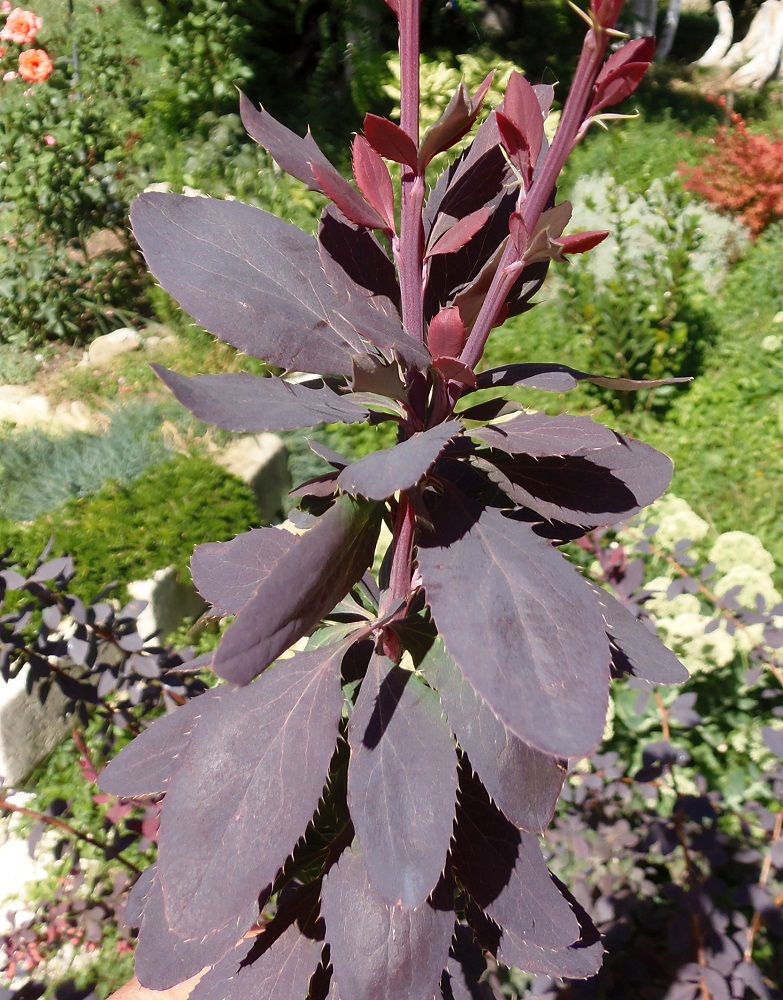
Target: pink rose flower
(35,66)
(21,27)
(49,140)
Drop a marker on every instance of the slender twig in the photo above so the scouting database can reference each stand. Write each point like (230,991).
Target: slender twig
(60,824)
(766,869)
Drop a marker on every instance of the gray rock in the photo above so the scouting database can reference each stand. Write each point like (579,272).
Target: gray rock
(29,730)
(261,461)
(169,602)
(111,345)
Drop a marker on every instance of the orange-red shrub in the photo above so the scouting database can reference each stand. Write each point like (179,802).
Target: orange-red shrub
(742,175)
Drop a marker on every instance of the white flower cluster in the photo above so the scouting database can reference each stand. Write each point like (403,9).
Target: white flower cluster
(722,237)
(743,569)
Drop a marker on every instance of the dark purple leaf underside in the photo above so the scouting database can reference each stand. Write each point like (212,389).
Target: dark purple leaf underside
(461,980)
(561,378)
(540,435)
(333,555)
(249,787)
(383,473)
(134,905)
(641,649)
(523,782)
(602,486)
(165,957)
(577,961)
(282,972)
(505,873)
(377,950)
(147,764)
(402,777)
(522,626)
(257,283)
(227,574)
(352,250)
(249,404)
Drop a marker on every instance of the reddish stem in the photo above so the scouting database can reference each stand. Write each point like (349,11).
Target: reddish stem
(576,107)
(410,249)
(402,560)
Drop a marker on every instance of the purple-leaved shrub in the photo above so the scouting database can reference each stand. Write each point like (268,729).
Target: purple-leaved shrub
(361,819)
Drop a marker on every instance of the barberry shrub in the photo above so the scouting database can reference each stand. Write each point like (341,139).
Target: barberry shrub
(361,818)
(742,175)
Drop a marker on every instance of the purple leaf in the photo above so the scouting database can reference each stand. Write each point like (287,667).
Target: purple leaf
(292,153)
(334,554)
(283,971)
(383,473)
(521,106)
(455,122)
(504,872)
(52,569)
(249,404)
(642,650)
(521,625)
(540,435)
(462,979)
(774,740)
(592,488)
(523,782)
(248,788)
(373,180)
(347,249)
(227,574)
(577,961)
(146,765)
(560,378)
(256,282)
(379,950)
(165,957)
(402,776)
(134,904)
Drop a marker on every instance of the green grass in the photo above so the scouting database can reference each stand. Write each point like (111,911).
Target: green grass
(127,531)
(39,473)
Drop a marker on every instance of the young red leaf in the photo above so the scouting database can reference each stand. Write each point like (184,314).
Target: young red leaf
(522,108)
(455,370)
(505,872)
(639,50)
(617,87)
(384,473)
(446,334)
(544,663)
(334,553)
(352,204)
(581,242)
(249,404)
(249,771)
(393,5)
(455,122)
(391,953)
(402,776)
(516,146)
(227,574)
(373,179)
(519,234)
(460,233)
(390,141)
(606,12)
(523,782)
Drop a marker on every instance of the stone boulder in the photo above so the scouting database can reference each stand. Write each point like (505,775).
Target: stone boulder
(169,602)
(261,461)
(112,345)
(29,729)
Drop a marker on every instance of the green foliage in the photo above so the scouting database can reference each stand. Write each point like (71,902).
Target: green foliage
(64,147)
(39,473)
(204,59)
(648,316)
(16,367)
(126,532)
